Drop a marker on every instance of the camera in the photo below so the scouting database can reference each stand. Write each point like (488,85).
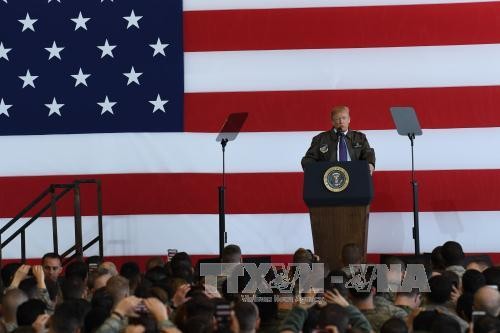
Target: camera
(141,309)
(171,253)
(476,315)
(223,316)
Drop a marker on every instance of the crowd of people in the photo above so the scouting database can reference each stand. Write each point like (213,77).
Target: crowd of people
(94,296)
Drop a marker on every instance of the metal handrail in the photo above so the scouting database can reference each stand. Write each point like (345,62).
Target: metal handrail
(79,247)
(86,247)
(31,220)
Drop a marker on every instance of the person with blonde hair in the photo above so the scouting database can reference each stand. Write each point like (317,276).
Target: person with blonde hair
(340,143)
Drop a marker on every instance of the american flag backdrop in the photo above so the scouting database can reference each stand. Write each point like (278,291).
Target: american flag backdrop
(133,93)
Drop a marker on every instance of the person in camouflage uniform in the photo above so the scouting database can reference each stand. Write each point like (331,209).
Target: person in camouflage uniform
(408,301)
(376,309)
(439,298)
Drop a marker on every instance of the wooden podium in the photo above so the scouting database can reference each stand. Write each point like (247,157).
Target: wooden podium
(338,215)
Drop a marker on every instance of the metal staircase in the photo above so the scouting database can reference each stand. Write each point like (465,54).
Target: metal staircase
(56,192)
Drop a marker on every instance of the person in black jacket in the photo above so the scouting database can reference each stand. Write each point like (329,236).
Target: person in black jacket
(340,143)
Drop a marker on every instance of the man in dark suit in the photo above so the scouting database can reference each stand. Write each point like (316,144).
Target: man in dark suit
(340,143)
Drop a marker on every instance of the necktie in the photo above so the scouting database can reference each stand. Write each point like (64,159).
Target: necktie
(342,148)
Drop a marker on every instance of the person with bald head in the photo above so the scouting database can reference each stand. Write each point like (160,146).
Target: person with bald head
(110,267)
(340,143)
(487,299)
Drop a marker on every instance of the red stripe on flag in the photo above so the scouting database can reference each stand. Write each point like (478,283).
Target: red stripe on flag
(255,193)
(309,110)
(342,27)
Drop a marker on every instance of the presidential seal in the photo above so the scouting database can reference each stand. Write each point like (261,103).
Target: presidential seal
(336,179)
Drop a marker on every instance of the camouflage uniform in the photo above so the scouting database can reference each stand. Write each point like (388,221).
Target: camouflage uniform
(384,305)
(376,318)
(406,308)
(384,310)
(390,296)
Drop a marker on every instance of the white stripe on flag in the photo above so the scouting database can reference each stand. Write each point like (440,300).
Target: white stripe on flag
(437,149)
(259,233)
(360,68)
(191,5)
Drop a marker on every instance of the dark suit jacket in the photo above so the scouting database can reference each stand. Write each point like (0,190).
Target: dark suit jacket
(324,148)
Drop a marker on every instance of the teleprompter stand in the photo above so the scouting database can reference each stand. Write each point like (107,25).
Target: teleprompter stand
(407,124)
(229,132)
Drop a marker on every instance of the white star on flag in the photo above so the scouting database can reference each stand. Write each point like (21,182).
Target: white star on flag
(159,48)
(81,22)
(4,51)
(107,106)
(106,49)
(4,107)
(54,107)
(54,51)
(28,22)
(132,76)
(28,79)
(132,20)
(159,104)
(80,78)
